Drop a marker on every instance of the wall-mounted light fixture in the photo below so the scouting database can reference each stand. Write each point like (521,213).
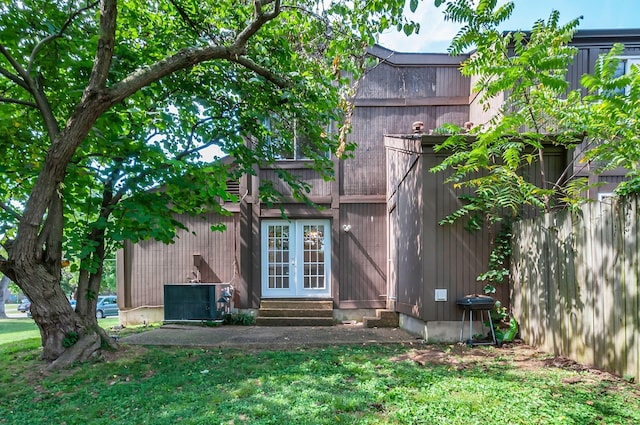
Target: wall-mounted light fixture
(346,228)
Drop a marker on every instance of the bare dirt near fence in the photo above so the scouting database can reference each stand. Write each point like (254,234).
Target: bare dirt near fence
(517,355)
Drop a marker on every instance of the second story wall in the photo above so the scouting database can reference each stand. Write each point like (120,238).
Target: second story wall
(592,44)
(400,89)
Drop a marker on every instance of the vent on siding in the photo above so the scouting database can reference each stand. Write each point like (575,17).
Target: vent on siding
(233,187)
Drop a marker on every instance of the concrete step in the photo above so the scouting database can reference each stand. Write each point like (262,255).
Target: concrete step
(295,312)
(291,312)
(294,321)
(383,319)
(294,304)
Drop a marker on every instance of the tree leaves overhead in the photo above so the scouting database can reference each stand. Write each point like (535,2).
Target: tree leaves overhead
(523,76)
(153,136)
(105,106)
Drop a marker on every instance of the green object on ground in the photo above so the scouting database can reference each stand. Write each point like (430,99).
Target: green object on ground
(507,335)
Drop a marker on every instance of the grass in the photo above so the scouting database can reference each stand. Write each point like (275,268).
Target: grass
(16,330)
(363,384)
(12,330)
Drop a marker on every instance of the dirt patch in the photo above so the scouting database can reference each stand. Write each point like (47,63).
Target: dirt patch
(522,356)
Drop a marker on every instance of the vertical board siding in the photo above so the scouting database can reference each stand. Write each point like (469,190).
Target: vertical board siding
(576,278)
(460,255)
(319,186)
(431,256)
(449,82)
(579,67)
(451,115)
(372,123)
(365,173)
(152,264)
(390,82)
(411,249)
(362,252)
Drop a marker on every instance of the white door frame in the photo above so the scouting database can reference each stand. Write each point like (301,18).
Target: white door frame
(296,260)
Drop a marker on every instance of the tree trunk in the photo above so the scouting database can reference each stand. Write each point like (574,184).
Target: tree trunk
(4,284)
(60,327)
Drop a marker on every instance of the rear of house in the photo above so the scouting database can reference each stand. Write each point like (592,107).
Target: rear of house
(375,242)
(335,253)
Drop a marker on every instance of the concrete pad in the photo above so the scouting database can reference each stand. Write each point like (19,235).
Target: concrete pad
(269,337)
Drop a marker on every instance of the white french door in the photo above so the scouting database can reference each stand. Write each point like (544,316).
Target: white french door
(296,258)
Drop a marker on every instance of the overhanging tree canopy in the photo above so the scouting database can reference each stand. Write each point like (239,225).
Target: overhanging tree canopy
(102,101)
(530,70)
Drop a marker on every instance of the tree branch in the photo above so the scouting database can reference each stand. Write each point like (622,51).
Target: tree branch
(260,19)
(13,77)
(10,210)
(32,87)
(96,99)
(104,52)
(59,34)
(188,57)
(199,30)
(14,63)
(184,58)
(179,157)
(188,152)
(260,70)
(18,102)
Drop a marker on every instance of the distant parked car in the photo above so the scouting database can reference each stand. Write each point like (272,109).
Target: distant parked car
(107,306)
(24,306)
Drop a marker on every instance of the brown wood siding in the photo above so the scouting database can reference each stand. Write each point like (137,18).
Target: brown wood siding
(459,255)
(362,266)
(152,264)
(386,81)
(319,187)
(365,173)
(411,251)
(431,256)
(578,68)
(585,60)
(449,82)
(389,85)
(451,115)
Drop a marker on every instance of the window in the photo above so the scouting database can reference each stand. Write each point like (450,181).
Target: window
(624,67)
(300,142)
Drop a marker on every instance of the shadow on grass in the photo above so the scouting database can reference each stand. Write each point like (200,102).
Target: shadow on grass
(344,384)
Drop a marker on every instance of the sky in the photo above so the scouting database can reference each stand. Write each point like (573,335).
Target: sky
(435,34)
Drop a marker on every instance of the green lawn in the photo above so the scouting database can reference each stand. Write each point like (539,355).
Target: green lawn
(336,385)
(13,330)
(11,309)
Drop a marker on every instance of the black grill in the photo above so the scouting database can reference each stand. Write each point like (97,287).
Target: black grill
(476,302)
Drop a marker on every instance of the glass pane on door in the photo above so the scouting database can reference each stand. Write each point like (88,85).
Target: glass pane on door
(278,256)
(313,255)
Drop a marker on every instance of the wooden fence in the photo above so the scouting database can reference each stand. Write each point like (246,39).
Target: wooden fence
(576,284)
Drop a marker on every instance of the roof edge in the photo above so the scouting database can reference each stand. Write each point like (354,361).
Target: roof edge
(403,59)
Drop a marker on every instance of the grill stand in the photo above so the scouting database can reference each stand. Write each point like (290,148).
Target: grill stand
(470,342)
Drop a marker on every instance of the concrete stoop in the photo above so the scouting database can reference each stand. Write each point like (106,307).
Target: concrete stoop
(295,313)
(383,319)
